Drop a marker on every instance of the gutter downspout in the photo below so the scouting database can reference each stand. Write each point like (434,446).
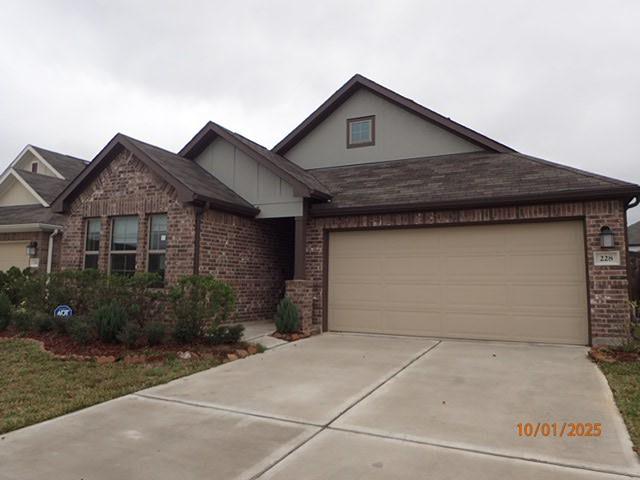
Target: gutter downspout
(50,250)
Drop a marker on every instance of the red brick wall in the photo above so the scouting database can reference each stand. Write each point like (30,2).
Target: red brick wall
(127,187)
(301,294)
(254,256)
(608,286)
(43,246)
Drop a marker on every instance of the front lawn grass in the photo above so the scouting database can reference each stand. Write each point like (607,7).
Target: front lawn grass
(624,379)
(34,386)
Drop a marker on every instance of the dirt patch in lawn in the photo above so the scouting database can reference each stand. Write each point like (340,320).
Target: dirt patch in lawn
(290,337)
(64,347)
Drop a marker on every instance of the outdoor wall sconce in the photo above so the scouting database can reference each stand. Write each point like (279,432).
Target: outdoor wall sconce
(32,249)
(606,237)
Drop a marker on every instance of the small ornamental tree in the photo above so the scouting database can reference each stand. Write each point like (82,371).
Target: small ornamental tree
(287,316)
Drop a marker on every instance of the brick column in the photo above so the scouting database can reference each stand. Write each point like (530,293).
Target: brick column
(301,293)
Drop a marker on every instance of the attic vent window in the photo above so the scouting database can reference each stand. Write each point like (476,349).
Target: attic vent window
(361,132)
(34,167)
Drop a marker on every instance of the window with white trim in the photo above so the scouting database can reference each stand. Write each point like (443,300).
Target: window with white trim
(124,243)
(157,244)
(92,243)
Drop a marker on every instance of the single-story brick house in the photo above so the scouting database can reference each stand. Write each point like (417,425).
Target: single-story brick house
(27,223)
(375,215)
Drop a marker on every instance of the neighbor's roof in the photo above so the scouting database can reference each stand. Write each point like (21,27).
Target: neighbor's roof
(66,165)
(450,181)
(44,185)
(358,82)
(29,214)
(305,183)
(634,234)
(191,181)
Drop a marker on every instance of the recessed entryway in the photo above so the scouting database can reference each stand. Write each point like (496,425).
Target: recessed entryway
(522,282)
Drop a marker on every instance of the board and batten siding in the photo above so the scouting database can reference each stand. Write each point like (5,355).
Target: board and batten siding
(249,179)
(399,134)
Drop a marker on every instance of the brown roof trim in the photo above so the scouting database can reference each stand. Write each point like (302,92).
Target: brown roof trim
(358,81)
(114,147)
(212,130)
(326,210)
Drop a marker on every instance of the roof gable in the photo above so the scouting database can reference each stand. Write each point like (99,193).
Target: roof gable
(358,82)
(191,182)
(15,191)
(303,182)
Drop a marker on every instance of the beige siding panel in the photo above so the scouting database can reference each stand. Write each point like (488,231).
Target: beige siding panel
(398,134)
(520,282)
(15,193)
(13,254)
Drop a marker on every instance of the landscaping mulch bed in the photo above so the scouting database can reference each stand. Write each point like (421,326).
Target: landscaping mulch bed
(290,337)
(64,347)
(610,355)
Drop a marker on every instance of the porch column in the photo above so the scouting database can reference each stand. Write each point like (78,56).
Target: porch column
(300,247)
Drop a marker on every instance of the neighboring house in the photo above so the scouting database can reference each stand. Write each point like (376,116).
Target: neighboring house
(634,237)
(374,215)
(27,187)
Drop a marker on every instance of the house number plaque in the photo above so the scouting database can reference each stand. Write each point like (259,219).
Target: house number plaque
(601,259)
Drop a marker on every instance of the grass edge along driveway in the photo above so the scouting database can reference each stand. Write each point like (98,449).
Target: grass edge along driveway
(35,386)
(624,380)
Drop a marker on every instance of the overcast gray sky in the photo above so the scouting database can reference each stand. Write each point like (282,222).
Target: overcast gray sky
(556,79)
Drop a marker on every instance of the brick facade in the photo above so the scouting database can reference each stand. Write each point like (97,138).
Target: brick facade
(301,293)
(254,256)
(608,286)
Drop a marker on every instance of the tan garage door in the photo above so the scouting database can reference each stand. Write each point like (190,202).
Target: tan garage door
(13,254)
(523,282)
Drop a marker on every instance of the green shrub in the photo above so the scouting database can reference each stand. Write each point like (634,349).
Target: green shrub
(23,320)
(43,322)
(130,334)
(287,316)
(155,333)
(225,334)
(198,302)
(60,324)
(5,311)
(109,320)
(79,329)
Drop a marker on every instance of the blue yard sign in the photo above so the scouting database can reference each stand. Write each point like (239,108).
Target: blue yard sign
(63,311)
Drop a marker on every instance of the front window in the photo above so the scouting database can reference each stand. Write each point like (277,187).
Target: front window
(124,242)
(157,244)
(360,132)
(92,243)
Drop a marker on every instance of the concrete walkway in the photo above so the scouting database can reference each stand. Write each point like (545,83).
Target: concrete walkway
(344,407)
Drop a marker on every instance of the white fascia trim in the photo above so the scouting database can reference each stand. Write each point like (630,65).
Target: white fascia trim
(29,227)
(28,187)
(41,158)
(26,149)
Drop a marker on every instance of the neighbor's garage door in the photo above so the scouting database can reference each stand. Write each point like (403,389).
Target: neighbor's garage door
(523,282)
(13,254)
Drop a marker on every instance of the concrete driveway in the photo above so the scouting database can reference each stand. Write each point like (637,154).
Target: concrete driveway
(341,406)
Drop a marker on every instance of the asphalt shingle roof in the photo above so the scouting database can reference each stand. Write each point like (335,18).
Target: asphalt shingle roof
(190,174)
(470,177)
(66,165)
(45,186)
(21,214)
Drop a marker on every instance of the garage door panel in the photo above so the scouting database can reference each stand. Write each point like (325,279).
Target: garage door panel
(522,282)
(13,254)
